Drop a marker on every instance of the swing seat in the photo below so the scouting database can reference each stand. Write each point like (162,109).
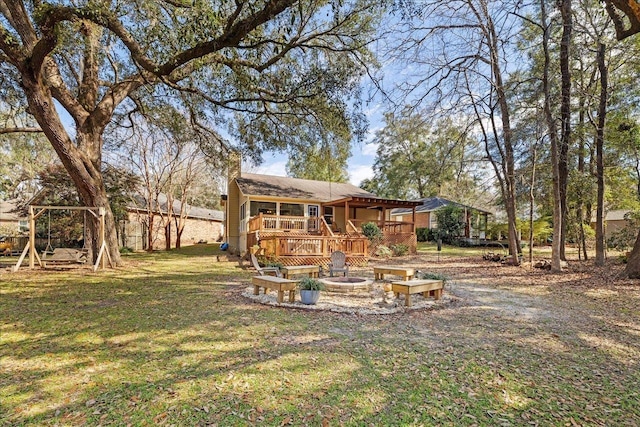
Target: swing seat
(61,256)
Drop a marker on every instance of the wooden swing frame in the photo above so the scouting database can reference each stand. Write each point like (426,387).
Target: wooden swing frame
(30,248)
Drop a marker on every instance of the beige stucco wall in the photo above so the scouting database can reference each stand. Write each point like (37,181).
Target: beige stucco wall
(366,214)
(611,227)
(233,216)
(422,219)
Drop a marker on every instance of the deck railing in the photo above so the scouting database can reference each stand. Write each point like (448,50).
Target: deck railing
(303,224)
(313,245)
(388,227)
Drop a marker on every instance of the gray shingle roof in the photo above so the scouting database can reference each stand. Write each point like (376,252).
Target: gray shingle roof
(285,187)
(8,210)
(192,211)
(430,204)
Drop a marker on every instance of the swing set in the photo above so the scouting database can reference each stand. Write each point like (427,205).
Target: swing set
(64,256)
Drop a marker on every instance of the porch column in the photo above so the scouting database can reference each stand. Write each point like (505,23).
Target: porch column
(384,215)
(346,215)
(413,219)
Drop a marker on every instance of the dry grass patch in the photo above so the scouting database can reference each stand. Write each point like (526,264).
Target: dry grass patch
(169,340)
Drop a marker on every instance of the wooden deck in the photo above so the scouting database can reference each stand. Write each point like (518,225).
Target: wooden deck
(305,240)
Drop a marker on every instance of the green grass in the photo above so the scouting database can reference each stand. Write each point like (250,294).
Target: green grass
(170,341)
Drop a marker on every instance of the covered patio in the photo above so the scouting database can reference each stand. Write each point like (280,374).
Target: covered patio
(311,240)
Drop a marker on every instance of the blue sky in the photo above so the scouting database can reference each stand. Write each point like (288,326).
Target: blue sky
(360,164)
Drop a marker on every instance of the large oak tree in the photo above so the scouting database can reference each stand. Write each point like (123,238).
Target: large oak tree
(263,68)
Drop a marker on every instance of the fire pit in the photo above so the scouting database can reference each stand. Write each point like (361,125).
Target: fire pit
(346,284)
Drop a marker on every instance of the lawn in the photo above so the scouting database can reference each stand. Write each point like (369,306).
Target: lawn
(169,340)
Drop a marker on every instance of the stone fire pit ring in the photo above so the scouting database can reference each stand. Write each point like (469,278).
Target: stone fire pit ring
(346,284)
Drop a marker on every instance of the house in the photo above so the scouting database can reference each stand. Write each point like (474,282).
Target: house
(11,222)
(299,221)
(200,225)
(475,219)
(614,221)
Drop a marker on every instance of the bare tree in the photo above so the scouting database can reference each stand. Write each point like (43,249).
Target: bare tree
(462,48)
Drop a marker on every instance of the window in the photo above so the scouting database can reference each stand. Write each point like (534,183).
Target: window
(313,210)
(291,209)
(23,225)
(328,214)
(267,208)
(243,215)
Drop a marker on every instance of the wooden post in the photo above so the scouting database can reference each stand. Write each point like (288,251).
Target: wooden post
(384,216)
(346,215)
(101,213)
(413,220)
(32,238)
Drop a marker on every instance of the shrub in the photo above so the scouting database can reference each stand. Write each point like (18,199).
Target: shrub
(450,223)
(424,234)
(269,261)
(310,284)
(425,275)
(400,249)
(383,252)
(372,231)
(126,250)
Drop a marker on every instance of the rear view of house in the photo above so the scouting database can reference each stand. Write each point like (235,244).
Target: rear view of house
(301,221)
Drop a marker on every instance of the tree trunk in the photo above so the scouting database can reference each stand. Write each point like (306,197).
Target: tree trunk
(532,199)
(602,112)
(508,161)
(565,118)
(150,232)
(82,162)
(582,244)
(556,259)
(632,270)
(167,236)
(178,237)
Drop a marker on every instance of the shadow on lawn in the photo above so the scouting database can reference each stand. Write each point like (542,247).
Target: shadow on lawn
(184,348)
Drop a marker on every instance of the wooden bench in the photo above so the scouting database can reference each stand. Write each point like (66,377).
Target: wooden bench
(65,256)
(425,287)
(311,270)
(405,273)
(277,283)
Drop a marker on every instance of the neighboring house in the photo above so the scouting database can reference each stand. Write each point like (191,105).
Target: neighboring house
(475,219)
(299,221)
(201,225)
(10,221)
(613,221)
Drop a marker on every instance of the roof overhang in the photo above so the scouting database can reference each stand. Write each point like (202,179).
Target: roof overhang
(372,203)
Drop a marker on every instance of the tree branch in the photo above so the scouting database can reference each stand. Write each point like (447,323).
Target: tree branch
(618,10)
(20,130)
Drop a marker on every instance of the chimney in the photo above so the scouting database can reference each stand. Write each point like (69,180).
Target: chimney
(234,166)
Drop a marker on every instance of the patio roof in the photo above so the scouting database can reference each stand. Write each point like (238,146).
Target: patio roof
(373,203)
(431,204)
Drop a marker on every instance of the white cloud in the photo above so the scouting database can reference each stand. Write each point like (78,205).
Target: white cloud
(359,173)
(275,168)
(369,149)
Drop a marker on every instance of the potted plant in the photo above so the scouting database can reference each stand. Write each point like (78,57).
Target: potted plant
(310,290)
